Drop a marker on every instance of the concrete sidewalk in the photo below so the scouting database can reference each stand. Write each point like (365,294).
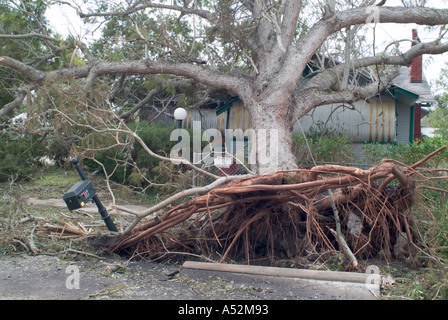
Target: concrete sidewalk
(51,278)
(90,207)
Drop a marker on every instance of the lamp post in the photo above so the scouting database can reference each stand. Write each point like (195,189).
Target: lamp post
(179,114)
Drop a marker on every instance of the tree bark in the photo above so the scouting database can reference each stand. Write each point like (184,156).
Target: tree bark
(272,126)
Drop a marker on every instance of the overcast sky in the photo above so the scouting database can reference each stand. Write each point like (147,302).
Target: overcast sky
(65,21)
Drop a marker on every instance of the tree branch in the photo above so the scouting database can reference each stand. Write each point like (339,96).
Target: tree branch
(289,21)
(299,55)
(29,35)
(14,104)
(55,49)
(307,99)
(147,5)
(32,73)
(417,15)
(235,83)
(149,97)
(329,78)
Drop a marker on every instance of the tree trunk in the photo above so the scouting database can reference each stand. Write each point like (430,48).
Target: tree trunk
(272,125)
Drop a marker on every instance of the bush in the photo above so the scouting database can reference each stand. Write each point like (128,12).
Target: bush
(19,154)
(327,145)
(135,165)
(156,137)
(408,153)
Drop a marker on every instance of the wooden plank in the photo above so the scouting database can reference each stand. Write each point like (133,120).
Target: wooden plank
(280,272)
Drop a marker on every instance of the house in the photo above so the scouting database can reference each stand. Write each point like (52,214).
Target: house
(394,116)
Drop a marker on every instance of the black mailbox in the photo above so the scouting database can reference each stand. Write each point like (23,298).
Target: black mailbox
(78,195)
(82,192)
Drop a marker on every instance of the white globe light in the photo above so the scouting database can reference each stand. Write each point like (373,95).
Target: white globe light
(180,114)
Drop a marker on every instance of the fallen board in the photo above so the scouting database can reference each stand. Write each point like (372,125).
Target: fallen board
(367,278)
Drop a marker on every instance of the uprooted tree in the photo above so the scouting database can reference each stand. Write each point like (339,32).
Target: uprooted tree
(257,50)
(302,212)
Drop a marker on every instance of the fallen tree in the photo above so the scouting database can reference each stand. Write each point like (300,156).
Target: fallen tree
(301,212)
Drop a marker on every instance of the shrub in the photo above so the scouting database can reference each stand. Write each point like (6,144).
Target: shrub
(19,154)
(408,153)
(133,165)
(327,145)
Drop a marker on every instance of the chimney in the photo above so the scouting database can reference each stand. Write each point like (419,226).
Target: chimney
(416,65)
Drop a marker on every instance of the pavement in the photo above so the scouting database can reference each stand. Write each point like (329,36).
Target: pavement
(89,207)
(44,277)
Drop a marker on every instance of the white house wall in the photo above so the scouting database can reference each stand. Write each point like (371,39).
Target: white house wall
(403,122)
(207,117)
(363,121)
(236,118)
(372,120)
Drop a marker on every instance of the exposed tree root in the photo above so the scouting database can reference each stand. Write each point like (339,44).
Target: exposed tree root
(289,214)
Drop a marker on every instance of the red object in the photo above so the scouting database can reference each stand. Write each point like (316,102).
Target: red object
(416,65)
(230,170)
(416,77)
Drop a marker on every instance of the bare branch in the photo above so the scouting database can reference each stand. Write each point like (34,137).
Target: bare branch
(289,22)
(29,35)
(123,128)
(149,97)
(55,49)
(307,99)
(14,104)
(417,15)
(231,82)
(33,74)
(302,52)
(330,77)
(147,5)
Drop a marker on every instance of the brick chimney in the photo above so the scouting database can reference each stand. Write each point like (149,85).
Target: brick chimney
(416,65)
(416,77)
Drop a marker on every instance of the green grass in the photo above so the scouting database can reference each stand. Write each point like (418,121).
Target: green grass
(56,178)
(428,283)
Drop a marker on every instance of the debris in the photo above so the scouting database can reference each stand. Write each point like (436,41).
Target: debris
(114,268)
(172,274)
(65,231)
(354,224)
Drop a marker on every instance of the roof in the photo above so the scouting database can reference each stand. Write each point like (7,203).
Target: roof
(403,80)
(227,106)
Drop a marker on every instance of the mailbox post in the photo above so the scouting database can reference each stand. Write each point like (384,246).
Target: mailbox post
(82,192)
